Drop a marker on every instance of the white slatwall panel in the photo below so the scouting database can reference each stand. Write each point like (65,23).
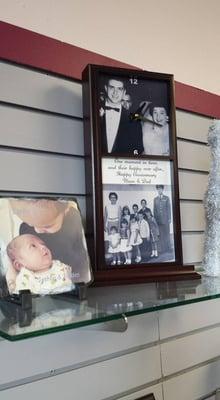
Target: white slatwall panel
(193,349)
(192,126)
(29,129)
(70,348)
(192,247)
(95,382)
(31,171)
(194,384)
(180,320)
(38,172)
(39,90)
(192,185)
(193,156)
(192,216)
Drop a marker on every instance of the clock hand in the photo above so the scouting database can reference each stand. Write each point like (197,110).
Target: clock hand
(138,117)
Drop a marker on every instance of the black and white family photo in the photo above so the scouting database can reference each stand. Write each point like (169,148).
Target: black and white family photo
(137,211)
(138,226)
(121,101)
(42,246)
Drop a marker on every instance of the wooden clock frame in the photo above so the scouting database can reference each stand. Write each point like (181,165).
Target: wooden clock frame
(109,163)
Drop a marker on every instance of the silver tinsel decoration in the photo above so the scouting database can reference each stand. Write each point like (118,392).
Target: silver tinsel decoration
(211,261)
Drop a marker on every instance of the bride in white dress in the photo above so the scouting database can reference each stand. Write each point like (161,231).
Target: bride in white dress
(156,133)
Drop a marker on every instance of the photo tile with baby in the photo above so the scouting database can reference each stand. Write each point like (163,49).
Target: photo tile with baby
(42,246)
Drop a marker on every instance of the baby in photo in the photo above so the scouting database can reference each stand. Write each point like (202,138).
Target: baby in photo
(35,268)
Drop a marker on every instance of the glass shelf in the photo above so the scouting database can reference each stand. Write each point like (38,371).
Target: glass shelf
(57,313)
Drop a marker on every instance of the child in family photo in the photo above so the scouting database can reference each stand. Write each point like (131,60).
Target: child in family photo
(114,245)
(125,247)
(126,214)
(135,239)
(144,233)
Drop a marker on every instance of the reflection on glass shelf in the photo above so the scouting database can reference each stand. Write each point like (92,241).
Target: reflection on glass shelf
(47,314)
(49,320)
(57,313)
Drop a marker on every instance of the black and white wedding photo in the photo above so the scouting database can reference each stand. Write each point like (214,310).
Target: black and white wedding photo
(134,116)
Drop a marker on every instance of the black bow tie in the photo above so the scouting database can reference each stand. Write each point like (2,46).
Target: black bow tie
(112,108)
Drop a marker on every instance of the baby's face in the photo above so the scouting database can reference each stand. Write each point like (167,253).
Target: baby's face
(32,253)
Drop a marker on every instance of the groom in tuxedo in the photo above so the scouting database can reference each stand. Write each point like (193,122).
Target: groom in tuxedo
(119,133)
